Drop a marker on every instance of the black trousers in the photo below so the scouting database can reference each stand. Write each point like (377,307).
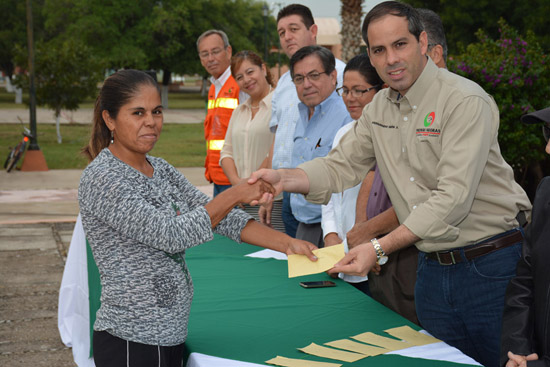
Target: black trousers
(111,351)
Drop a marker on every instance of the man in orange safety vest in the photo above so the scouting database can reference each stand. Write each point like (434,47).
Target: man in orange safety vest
(223,97)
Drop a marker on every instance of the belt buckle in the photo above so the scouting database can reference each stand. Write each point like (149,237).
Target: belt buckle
(453,261)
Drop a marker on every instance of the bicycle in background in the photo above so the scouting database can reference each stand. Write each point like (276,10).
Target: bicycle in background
(16,153)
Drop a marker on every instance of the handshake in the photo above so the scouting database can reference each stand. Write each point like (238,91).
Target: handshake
(263,185)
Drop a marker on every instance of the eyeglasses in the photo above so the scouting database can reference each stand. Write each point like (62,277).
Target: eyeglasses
(357,93)
(312,77)
(215,52)
(546,131)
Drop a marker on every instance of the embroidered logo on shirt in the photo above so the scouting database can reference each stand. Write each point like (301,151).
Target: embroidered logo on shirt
(429,119)
(427,131)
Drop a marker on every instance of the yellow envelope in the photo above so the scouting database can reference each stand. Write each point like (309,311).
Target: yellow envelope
(291,362)
(320,351)
(299,265)
(412,336)
(361,348)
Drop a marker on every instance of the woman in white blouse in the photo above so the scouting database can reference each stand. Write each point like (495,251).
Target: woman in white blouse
(248,138)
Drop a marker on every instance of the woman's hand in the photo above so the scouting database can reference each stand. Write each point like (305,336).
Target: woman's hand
(517,360)
(265,214)
(332,239)
(300,247)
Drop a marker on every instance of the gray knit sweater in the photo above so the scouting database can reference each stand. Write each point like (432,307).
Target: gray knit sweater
(139,228)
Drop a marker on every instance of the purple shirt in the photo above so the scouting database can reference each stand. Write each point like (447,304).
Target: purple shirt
(379,201)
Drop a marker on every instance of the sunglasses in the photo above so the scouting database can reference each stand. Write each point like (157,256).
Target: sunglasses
(546,131)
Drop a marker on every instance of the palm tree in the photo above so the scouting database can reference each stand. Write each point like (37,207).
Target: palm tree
(352,12)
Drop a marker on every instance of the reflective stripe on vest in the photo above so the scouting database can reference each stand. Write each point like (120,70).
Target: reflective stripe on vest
(215,144)
(230,103)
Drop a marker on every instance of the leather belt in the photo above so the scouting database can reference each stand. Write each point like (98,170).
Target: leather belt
(452,257)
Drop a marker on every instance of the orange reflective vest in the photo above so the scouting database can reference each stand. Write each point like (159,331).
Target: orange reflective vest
(215,127)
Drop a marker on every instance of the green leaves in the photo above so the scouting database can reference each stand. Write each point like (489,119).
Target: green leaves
(514,70)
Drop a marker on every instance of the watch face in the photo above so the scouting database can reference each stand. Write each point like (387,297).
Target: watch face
(382,260)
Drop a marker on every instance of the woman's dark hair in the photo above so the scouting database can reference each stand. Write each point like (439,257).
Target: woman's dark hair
(117,90)
(240,56)
(361,63)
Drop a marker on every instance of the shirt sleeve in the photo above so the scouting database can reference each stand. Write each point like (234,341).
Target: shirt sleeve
(345,165)
(234,222)
(328,218)
(466,139)
(116,204)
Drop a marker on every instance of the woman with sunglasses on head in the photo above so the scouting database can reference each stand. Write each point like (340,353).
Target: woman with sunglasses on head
(526,318)
(248,138)
(365,211)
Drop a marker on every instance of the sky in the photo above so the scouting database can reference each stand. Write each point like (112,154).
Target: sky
(319,8)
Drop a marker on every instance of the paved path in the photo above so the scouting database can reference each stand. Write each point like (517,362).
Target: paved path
(37,215)
(32,258)
(51,196)
(84,116)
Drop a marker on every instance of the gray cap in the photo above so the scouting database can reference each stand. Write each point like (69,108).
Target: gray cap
(537,117)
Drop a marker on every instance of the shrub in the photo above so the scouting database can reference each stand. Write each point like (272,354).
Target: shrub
(515,71)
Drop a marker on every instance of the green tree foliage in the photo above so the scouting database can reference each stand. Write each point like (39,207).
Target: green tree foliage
(514,70)
(66,73)
(13,30)
(152,34)
(462,18)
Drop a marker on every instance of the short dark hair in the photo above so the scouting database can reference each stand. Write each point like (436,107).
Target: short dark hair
(117,90)
(326,57)
(398,9)
(434,29)
(297,9)
(361,64)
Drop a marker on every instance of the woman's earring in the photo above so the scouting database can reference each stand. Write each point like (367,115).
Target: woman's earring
(112,137)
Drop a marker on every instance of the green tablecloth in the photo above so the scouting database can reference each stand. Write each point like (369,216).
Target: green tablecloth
(248,309)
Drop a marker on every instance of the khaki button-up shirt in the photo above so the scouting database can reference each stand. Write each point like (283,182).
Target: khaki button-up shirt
(439,158)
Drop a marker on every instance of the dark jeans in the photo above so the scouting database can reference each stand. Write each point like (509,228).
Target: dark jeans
(111,351)
(220,188)
(462,304)
(291,224)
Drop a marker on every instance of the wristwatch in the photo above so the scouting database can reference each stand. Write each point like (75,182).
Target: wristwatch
(380,254)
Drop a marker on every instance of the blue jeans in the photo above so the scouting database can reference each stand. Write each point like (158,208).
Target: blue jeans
(462,304)
(220,188)
(291,224)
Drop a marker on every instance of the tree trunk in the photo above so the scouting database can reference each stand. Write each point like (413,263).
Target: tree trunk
(352,13)
(166,78)
(57,126)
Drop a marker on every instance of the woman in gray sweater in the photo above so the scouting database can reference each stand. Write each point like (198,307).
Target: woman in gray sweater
(140,215)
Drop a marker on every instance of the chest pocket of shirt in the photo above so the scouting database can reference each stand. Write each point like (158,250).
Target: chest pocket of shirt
(320,151)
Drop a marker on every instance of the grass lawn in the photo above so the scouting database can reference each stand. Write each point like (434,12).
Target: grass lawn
(182,145)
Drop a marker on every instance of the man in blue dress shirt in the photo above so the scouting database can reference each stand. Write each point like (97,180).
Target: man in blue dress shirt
(321,114)
(296,28)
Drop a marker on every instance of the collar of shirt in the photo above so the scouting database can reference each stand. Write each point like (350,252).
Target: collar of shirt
(322,107)
(218,83)
(263,103)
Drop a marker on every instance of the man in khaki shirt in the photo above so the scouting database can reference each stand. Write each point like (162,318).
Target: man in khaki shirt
(434,137)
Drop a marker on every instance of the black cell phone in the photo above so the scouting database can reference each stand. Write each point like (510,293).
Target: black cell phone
(320,284)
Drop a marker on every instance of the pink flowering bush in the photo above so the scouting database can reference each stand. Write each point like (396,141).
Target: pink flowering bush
(515,71)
